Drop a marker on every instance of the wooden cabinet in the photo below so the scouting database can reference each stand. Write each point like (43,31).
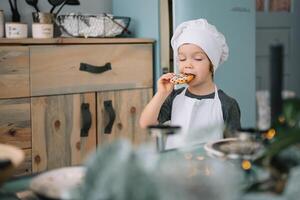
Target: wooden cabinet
(14,72)
(60,98)
(15,127)
(70,69)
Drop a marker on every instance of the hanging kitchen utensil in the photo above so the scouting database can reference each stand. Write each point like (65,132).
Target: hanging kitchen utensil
(68,2)
(55,3)
(14,9)
(33,3)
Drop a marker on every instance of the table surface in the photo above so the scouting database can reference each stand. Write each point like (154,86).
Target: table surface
(195,157)
(17,188)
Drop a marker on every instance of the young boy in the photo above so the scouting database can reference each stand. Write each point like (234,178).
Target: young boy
(200,109)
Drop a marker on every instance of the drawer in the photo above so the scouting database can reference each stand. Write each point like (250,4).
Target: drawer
(14,72)
(56,69)
(15,124)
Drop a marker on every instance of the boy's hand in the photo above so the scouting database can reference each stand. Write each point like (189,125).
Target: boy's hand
(164,86)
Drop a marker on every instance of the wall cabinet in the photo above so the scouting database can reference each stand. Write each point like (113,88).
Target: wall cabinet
(60,98)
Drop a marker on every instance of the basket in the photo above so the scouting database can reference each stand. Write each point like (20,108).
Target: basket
(102,25)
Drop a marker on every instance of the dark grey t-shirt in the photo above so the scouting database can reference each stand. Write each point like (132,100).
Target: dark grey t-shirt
(230,108)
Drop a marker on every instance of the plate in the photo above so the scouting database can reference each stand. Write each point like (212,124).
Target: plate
(234,148)
(10,158)
(57,183)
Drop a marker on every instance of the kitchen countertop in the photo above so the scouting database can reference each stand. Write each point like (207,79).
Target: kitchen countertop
(196,157)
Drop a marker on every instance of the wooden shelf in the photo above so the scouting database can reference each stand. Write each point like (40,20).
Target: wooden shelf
(31,41)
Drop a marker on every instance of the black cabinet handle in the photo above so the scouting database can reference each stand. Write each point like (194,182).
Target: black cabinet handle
(86,119)
(4,163)
(94,69)
(112,116)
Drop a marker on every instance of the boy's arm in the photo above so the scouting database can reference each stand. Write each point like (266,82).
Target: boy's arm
(151,111)
(233,120)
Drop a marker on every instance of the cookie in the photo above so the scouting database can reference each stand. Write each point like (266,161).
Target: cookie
(182,78)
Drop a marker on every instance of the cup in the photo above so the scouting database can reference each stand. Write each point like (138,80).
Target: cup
(160,133)
(43,18)
(42,31)
(15,30)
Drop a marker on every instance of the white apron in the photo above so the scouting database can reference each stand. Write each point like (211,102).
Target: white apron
(201,121)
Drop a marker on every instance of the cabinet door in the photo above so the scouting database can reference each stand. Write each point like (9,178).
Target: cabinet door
(57,140)
(15,128)
(127,106)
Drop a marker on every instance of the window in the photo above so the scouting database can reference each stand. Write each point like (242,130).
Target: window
(273,5)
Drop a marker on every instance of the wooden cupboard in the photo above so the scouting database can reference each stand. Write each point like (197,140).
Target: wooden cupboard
(60,98)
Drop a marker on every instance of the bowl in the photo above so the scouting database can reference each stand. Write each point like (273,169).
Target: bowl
(10,158)
(234,148)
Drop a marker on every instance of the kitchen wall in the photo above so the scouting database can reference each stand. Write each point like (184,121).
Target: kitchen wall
(145,21)
(86,6)
(278,26)
(236,20)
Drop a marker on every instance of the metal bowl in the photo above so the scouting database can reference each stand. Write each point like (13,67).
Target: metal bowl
(234,148)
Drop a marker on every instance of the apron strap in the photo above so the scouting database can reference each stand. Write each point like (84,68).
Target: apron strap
(216,93)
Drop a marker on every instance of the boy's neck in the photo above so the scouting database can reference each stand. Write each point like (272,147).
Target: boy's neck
(204,89)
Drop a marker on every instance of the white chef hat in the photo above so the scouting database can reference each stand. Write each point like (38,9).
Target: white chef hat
(204,35)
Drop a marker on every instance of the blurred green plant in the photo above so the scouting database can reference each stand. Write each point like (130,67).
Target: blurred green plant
(285,133)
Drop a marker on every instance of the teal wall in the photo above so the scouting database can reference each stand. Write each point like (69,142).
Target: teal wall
(145,22)
(236,20)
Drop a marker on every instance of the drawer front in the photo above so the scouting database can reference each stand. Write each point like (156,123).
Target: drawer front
(15,126)
(55,69)
(14,72)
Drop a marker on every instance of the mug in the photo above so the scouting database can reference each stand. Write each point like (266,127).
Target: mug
(15,30)
(42,31)
(43,18)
